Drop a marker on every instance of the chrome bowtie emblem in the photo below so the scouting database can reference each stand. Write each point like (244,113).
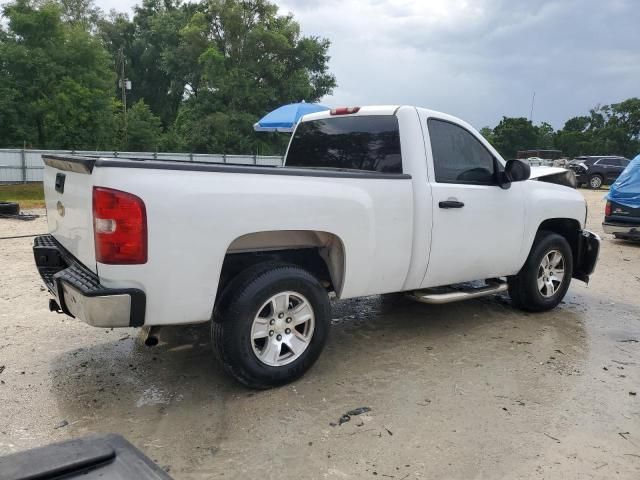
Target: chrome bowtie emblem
(60,208)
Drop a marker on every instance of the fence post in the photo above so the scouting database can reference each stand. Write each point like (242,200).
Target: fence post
(23,164)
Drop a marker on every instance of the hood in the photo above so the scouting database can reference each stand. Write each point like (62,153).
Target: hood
(557,175)
(537,172)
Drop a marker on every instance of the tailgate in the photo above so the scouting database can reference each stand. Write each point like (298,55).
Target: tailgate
(68,190)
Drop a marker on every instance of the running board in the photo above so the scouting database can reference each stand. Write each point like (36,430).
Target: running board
(430,296)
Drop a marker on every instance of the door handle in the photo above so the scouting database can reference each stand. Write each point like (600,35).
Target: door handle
(451,204)
(59,185)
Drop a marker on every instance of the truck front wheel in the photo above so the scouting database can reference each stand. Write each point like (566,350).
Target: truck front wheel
(545,277)
(271,324)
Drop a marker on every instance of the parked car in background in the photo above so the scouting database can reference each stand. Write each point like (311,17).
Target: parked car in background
(595,171)
(622,213)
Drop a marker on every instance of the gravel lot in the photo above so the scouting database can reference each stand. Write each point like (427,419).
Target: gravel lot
(467,390)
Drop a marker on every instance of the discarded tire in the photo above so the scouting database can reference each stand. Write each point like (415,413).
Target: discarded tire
(9,208)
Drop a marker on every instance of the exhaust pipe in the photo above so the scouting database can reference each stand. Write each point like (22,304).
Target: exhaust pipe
(54,307)
(152,336)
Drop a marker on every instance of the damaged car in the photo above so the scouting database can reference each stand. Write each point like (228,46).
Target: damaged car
(622,211)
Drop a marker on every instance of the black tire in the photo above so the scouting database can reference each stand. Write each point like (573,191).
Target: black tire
(595,181)
(9,208)
(237,308)
(523,287)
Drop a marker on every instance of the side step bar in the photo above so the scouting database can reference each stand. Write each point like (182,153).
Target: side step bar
(493,286)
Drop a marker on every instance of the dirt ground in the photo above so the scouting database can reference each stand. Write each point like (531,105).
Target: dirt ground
(471,390)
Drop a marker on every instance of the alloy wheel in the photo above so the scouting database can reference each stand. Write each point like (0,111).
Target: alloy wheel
(550,273)
(282,329)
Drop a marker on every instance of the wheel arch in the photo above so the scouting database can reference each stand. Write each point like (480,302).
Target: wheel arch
(569,228)
(319,252)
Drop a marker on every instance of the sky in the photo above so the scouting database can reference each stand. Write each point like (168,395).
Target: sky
(476,59)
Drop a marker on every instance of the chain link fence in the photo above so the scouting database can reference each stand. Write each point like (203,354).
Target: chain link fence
(24,165)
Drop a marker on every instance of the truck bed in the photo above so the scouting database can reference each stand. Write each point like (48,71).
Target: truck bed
(197,213)
(81,164)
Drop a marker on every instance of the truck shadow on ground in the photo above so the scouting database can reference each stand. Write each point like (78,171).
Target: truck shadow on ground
(175,396)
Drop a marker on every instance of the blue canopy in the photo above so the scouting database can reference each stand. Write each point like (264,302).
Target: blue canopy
(285,118)
(626,189)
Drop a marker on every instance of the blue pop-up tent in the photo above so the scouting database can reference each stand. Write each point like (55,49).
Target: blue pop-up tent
(626,189)
(285,118)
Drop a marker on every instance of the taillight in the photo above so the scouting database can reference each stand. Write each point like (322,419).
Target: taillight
(607,209)
(344,110)
(119,227)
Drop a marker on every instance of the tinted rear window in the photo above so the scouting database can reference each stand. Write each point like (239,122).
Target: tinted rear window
(370,143)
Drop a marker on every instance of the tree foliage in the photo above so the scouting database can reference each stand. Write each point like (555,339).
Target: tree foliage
(202,74)
(144,129)
(55,81)
(513,134)
(607,130)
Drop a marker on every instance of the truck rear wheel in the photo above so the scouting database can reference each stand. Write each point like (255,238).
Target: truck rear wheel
(270,324)
(545,277)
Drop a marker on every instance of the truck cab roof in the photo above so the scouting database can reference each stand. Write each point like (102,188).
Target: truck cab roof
(380,110)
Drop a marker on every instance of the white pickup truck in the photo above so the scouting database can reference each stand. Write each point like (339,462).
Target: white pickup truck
(371,200)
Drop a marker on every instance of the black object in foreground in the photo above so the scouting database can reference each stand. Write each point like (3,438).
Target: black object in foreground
(351,413)
(107,457)
(9,208)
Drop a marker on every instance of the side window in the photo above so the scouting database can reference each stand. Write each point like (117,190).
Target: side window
(609,162)
(458,157)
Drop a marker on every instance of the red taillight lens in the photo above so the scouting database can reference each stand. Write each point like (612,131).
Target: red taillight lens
(607,209)
(119,227)
(344,110)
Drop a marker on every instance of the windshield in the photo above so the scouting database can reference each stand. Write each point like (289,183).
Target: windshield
(370,143)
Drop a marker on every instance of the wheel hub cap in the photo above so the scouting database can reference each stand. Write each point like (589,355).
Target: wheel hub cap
(282,329)
(551,273)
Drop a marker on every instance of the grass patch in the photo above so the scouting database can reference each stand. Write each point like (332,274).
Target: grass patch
(28,195)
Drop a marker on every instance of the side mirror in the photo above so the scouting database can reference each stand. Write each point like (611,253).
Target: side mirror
(516,171)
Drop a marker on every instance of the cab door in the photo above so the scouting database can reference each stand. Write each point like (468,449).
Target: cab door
(478,226)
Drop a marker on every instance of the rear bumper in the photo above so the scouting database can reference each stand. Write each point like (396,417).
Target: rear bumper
(586,256)
(621,229)
(78,292)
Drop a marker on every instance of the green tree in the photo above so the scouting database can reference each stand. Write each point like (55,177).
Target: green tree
(545,137)
(144,129)
(607,130)
(513,134)
(487,133)
(83,12)
(143,44)
(211,69)
(249,60)
(55,80)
